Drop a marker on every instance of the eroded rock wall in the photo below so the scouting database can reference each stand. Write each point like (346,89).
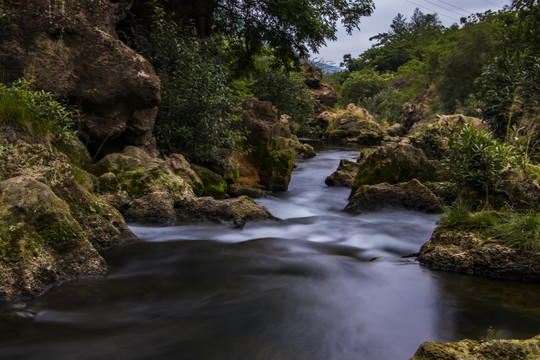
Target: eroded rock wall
(71,49)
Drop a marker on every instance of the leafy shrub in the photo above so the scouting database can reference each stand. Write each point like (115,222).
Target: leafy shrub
(22,106)
(385,105)
(196,113)
(287,92)
(362,85)
(521,231)
(475,158)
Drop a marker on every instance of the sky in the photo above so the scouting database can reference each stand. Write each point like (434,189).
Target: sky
(449,11)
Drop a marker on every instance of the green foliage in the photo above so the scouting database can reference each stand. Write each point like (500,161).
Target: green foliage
(475,158)
(286,91)
(22,106)
(510,85)
(289,28)
(521,231)
(196,114)
(460,216)
(385,105)
(362,85)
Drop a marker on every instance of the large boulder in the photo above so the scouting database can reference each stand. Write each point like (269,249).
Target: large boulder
(71,49)
(272,146)
(41,243)
(472,253)
(411,195)
(353,125)
(397,163)
(324,94)
(480,350)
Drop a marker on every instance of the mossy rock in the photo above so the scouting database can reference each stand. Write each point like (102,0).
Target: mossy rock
(398,163)
(480,350)
(41,243)
(276,168)
(354,125)
(213,183)
(83,178)
(77,153)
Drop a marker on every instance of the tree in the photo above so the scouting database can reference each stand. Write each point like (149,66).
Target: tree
(289,27)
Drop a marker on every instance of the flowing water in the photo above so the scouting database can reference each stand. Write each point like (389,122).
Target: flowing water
(318,285)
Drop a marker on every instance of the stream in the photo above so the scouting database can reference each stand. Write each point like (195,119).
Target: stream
(318,285)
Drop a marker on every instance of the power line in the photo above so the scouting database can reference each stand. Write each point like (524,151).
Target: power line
(454,6)
(432,10)
(442,7)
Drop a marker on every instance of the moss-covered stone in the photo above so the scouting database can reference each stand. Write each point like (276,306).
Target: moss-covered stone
(355,125)
(480,350)
(397,163)
(474,252)
(213,183)
(41,243)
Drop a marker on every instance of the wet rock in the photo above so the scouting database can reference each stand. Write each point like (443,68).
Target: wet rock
(41,243)
(397,163)
(476,350)
(344,175)
(270,140)
(412,195)
(71,49)
(472,252)
(354,125)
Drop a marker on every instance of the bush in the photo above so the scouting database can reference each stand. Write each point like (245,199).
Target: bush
(475,158)
(195,117)
(22,106)
(385,105)
(362,85)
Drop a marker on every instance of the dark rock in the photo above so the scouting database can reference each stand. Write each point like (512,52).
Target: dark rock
(397,163)
(416,109)
(344,175)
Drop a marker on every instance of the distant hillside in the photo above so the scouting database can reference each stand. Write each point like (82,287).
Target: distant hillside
(326,69)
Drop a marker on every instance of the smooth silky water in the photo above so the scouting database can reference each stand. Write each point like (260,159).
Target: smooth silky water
(320,284)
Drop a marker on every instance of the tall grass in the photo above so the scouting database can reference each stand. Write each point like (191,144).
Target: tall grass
(520,231)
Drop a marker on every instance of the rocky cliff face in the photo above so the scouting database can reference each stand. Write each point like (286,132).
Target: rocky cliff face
(71,49)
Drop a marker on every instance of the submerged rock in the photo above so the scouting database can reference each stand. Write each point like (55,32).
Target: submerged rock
(411,195)
(472,252)
(480,350)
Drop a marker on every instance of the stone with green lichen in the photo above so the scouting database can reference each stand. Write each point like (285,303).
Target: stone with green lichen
(395,164)
(213,183)
(354,125)
(480,350)
(41,243)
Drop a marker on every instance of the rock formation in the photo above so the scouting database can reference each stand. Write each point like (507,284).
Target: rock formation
(71,49)
(353,125)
